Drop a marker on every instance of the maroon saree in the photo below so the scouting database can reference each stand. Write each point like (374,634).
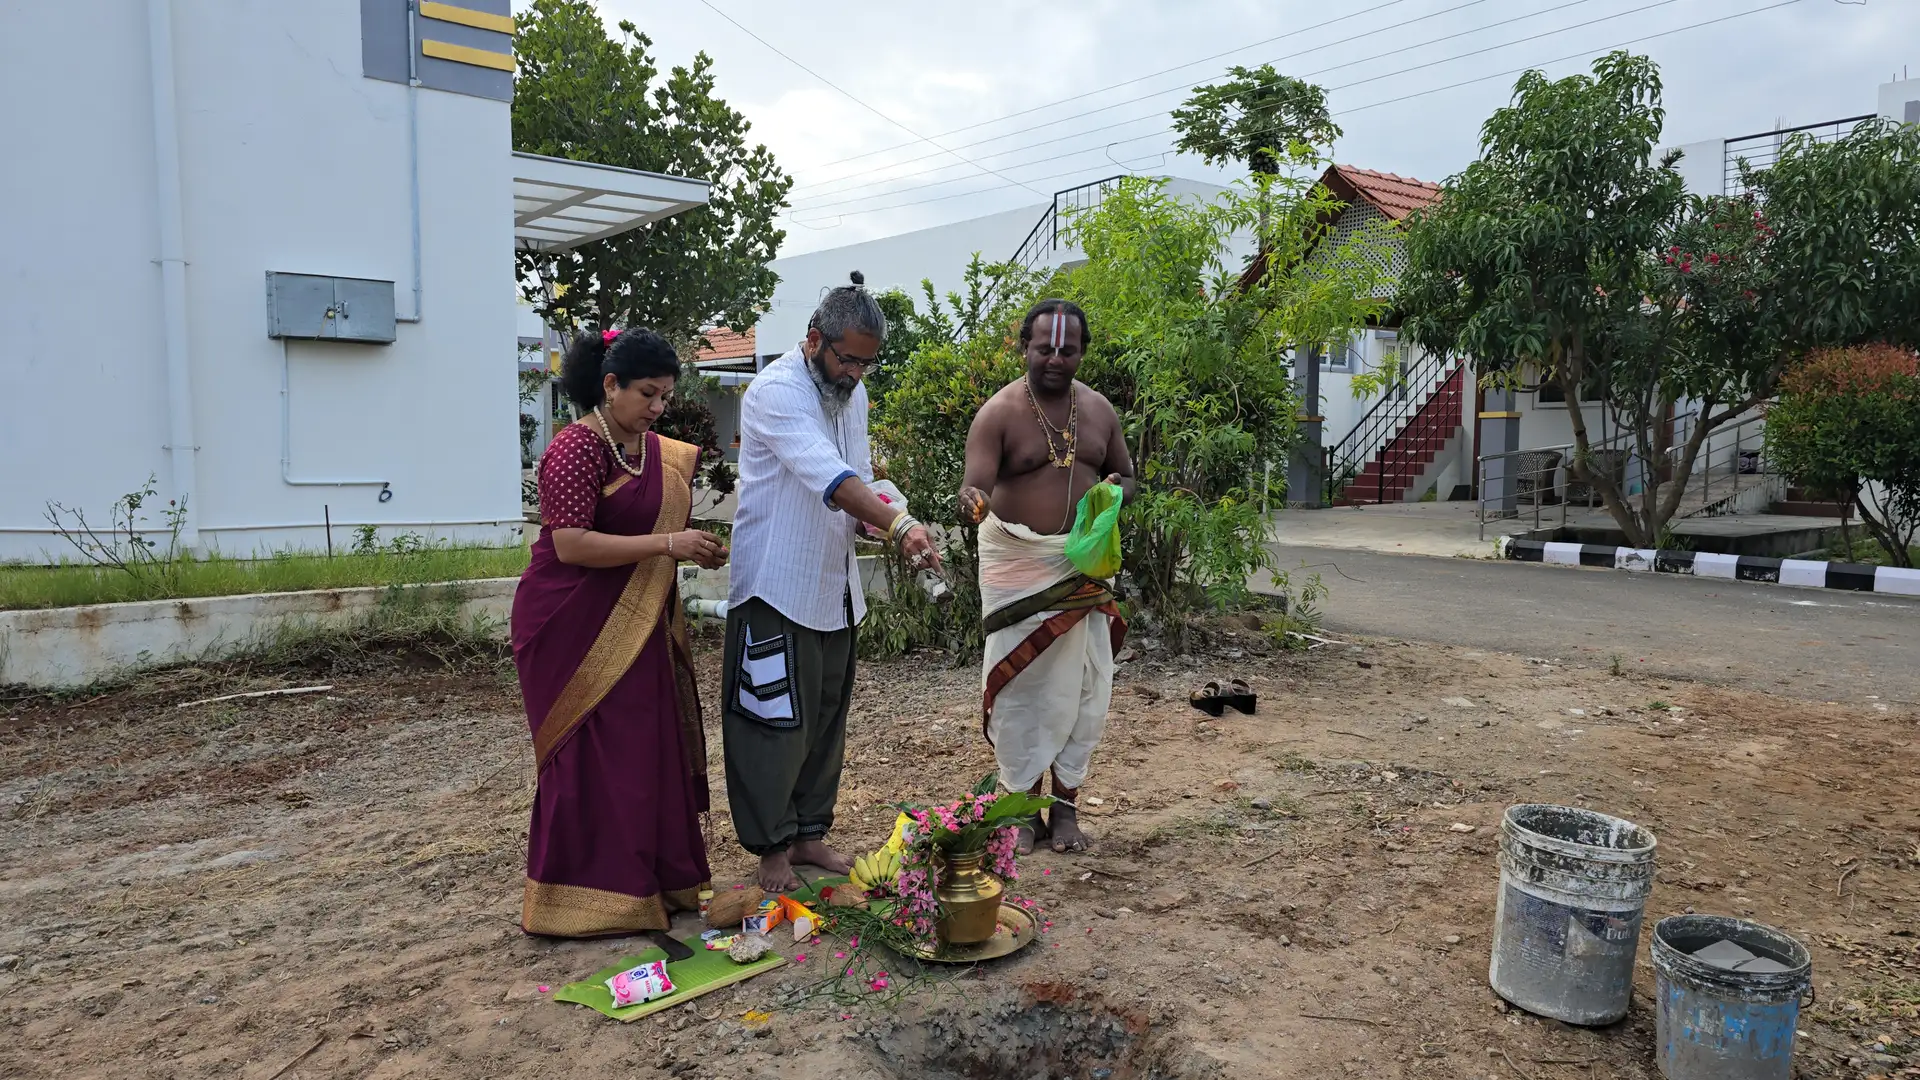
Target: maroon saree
(615,844)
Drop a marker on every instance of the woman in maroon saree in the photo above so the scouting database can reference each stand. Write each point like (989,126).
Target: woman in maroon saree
(600,642)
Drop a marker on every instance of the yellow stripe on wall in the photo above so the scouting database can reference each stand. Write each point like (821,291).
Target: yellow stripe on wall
(464,54)
(480,20)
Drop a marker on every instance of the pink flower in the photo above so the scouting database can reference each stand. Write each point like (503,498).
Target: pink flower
(877,984)
(1047,872)
(801,959)
(839,956)
(544,988)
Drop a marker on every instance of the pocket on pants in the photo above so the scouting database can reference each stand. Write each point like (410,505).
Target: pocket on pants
(764,683)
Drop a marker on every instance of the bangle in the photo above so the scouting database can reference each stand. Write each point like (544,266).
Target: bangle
(893,527)
(670,554)
(902,525)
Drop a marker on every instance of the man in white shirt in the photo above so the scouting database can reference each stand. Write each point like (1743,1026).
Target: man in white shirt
(795,600)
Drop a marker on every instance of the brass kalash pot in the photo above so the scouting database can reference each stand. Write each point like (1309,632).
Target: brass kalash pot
(969,899)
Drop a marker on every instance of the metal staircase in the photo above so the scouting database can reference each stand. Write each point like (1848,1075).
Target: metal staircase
(1396,442)
(1043,242)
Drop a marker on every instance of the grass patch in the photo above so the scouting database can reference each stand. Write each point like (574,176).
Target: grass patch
(1865,551)
(32,587)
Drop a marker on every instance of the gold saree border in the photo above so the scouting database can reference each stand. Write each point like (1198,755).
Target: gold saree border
(577,911)
(635,615)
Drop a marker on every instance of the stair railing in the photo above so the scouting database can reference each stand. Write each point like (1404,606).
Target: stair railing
(1377,435)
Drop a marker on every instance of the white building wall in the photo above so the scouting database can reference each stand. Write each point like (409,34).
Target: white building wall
(290,161)
(1900,100)
(940,253)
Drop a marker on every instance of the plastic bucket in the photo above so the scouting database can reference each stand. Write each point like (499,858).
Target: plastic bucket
(1716,1024)
(1566,931)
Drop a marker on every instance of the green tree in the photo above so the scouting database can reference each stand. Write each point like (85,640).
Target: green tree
(1549,257)
(585,96)
(1567,253)
(1194,352)
(1848,425)
(1254,117)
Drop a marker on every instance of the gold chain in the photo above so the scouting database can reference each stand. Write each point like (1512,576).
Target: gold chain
(1047,428)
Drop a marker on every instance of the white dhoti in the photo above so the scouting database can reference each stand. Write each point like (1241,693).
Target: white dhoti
(1048,677)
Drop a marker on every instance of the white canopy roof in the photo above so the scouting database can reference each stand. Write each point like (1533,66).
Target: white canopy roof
(559,205)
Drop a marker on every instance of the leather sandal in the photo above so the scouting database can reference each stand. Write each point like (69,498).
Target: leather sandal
(1241,696)
(1208,699)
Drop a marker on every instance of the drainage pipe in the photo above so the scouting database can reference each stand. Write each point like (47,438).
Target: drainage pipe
(413,151)
(173,266)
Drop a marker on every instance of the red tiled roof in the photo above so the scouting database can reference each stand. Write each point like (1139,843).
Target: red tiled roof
(727,345)
(1396,196)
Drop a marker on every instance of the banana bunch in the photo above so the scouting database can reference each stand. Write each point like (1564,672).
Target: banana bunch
(879,868)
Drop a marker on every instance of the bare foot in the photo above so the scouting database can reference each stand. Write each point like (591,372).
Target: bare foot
(817,853)
(776,873)
(1064,825)
(1031,830)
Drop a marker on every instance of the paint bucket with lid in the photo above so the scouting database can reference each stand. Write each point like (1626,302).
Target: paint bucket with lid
(1573,887)
(1728,996)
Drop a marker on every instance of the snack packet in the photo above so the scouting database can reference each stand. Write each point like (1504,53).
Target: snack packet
(640,984)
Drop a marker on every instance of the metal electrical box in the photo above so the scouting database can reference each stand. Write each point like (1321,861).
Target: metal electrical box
(330,308)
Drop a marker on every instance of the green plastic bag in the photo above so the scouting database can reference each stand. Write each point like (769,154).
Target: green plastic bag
(1094,544)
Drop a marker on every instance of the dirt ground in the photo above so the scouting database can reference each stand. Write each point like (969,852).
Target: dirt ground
(328,885)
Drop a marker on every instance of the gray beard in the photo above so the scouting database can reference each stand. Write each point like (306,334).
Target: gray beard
(833,395)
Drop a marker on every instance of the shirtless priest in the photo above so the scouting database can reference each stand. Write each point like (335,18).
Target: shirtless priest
(1037,446)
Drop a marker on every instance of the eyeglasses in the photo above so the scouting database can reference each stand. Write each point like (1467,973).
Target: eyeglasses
(861,362)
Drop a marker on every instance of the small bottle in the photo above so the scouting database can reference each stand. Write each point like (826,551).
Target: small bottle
(706,899)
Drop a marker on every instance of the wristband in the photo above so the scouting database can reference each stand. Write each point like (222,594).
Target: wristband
(670,553)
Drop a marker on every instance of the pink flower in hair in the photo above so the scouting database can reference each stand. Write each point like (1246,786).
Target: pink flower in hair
(607,336)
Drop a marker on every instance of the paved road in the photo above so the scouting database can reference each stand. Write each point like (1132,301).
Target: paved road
(1807,643)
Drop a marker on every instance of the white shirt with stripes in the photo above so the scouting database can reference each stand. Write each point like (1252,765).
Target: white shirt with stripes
(792,548)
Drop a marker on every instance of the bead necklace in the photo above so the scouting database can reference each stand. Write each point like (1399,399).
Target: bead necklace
(620,452)
(1048,429)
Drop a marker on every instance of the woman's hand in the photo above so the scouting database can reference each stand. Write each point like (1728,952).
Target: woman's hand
(703,549)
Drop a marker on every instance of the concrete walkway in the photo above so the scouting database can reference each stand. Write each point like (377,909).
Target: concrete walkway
(1442,529)
(1452,529)
(1805,643)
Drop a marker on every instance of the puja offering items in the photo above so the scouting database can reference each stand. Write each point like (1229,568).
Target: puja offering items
(640,984)
(730,907)
(749,947)
(716,941)
(802,917)
(767,916)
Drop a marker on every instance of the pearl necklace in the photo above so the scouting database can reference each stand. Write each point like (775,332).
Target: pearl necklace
(620,452)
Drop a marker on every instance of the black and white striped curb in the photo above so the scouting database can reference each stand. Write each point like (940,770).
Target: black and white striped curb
(1805,573)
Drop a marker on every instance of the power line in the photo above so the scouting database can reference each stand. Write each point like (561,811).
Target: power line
(1139,78)
(1322,71)
(1173,89)
(1356,109)
(830,85)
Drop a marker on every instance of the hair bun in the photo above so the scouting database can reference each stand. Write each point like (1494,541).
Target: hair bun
(858,278)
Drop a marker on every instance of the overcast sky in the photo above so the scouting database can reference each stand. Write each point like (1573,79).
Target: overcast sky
(957,73)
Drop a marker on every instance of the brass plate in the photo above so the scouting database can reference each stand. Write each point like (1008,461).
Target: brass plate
(1014,933)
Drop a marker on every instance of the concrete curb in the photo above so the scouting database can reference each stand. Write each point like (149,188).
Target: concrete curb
(46,648)
(1803,573)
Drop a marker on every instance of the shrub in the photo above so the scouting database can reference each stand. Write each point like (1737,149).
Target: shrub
(1847,424)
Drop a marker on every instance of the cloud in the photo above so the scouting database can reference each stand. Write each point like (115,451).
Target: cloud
(938,67)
